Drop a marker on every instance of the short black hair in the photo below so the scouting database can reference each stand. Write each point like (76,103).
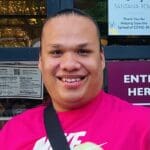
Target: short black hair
(78,12)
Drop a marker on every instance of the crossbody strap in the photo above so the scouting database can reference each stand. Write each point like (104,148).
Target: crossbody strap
(54,130)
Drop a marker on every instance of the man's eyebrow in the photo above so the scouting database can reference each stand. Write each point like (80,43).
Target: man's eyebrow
(54,45)
(82,45)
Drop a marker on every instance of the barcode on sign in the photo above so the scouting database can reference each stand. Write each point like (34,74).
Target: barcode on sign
(16,72)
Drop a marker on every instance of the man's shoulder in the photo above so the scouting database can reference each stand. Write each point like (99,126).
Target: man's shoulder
(126,109)
(122,104)
(27,117)
(115,102)
(26,124)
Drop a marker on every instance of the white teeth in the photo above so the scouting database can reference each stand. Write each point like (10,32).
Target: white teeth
(70,80)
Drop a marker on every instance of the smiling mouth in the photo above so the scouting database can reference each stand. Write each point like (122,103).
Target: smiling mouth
(71,79)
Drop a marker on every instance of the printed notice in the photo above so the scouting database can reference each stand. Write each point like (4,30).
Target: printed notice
(20,80)
(129,17)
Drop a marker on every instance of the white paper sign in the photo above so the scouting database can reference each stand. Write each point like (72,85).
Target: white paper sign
(20,80)
(129,17)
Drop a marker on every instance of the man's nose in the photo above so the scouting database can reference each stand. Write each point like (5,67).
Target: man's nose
(69,62)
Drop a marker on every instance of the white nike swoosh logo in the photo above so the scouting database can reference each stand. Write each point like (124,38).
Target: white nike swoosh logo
(103,144)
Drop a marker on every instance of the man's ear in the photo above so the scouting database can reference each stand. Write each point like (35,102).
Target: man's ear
(39,63)
(102,58)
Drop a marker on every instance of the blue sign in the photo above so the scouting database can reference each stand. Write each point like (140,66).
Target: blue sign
(128,17)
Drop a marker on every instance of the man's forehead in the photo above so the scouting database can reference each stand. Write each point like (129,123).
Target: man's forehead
(68,18)
(70,27)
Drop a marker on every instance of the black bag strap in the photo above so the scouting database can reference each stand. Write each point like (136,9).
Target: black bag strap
(54,130)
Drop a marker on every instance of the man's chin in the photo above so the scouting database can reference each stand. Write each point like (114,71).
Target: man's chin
(75,102)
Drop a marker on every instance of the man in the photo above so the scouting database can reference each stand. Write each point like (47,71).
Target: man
(72,62)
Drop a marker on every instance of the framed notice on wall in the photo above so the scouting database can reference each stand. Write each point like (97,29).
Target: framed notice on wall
(130,80)
(20,80)
(129,17)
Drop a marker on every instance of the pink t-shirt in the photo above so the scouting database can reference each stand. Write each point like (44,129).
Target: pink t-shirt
(106,121)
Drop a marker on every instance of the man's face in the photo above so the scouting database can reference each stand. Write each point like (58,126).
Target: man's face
(70,61)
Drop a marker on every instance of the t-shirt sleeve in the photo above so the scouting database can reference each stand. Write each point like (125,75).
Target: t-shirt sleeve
(10,134)
(146,141)
(5,133)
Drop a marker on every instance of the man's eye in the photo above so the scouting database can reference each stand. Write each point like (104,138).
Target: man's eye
(56,53)
(83,52)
